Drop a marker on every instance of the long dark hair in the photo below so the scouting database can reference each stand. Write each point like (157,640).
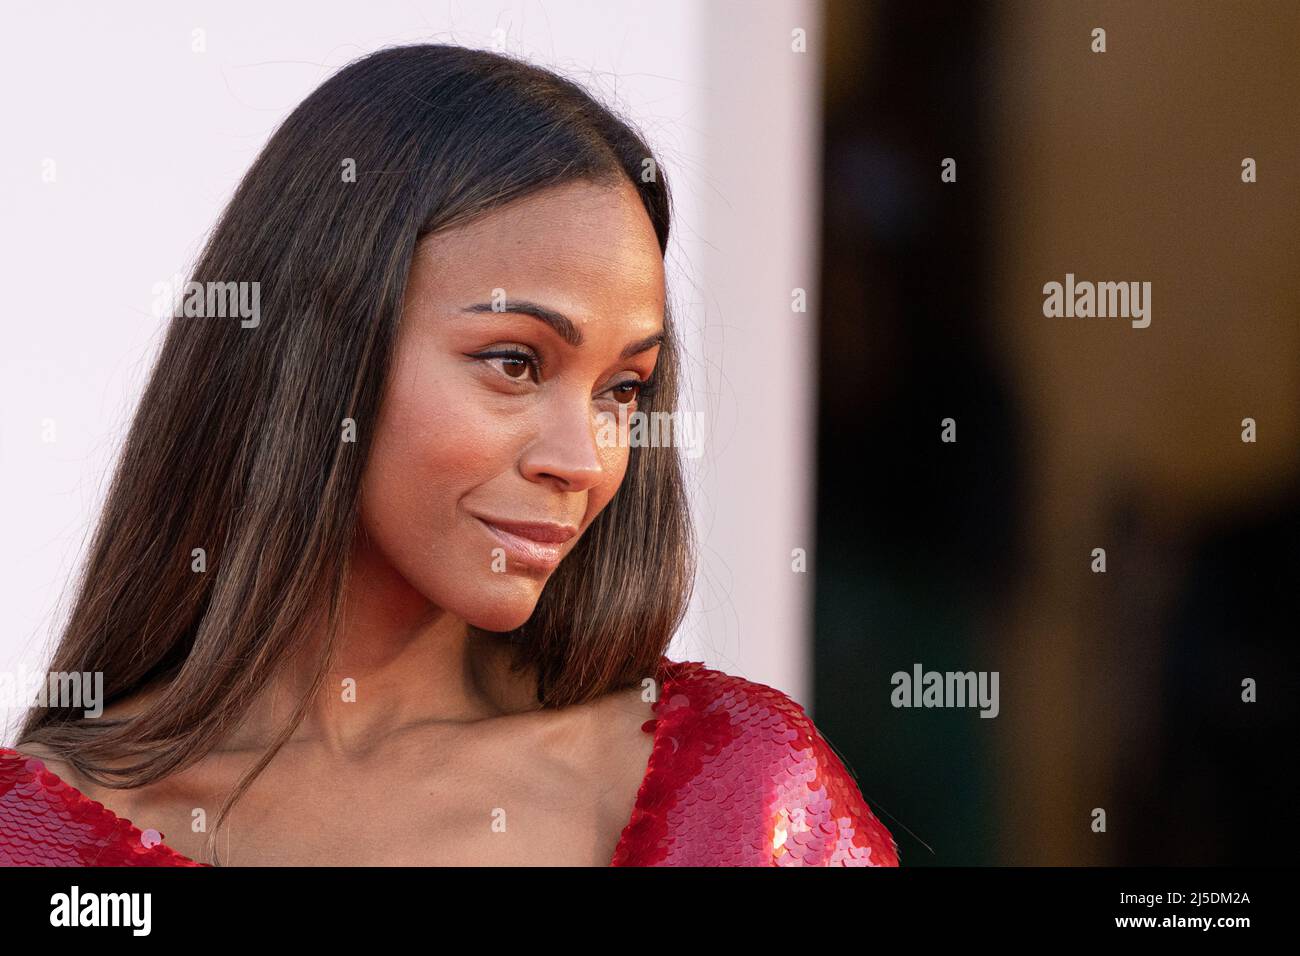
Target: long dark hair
(235,446)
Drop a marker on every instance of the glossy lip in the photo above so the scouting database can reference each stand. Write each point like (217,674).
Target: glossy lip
(538,544)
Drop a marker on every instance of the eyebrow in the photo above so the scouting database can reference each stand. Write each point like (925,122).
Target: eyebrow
(562,325)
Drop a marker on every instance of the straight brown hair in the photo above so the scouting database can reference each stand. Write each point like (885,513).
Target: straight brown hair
(236,445)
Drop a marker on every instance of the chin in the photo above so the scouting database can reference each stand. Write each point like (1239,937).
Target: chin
(505,608)
(500,620)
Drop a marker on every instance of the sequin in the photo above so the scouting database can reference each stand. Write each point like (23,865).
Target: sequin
(738,776)
(46,822)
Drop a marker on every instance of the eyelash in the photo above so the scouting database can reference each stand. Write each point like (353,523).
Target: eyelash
(645,387)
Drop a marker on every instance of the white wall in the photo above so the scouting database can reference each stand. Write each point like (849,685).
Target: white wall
(148,139)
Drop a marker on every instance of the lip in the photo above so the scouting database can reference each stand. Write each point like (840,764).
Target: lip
(538,544)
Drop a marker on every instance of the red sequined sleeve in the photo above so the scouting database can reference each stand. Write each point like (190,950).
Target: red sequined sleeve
(819,816)
(739,776)
(46,822)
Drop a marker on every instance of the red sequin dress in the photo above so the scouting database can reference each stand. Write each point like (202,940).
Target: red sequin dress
(738,776)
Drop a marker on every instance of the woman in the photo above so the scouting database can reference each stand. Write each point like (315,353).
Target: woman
(372,583)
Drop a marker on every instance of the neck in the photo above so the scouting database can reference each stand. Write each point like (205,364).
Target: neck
(398,661)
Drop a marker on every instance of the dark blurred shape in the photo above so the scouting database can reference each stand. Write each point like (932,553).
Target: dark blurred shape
(1215,783)
(912,534)
(1120,690)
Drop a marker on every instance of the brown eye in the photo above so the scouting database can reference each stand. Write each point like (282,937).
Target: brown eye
(514,365)
(515,368)
(633,390)
(627,392)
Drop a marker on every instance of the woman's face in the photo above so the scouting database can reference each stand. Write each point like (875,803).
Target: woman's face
(486,466)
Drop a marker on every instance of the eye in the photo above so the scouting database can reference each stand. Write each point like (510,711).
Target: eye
(514,364)
(633,390)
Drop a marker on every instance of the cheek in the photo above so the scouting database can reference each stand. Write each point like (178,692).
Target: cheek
(431,449)
(442,444)
(614,462)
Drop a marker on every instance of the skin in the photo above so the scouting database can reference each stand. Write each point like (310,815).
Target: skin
(441,740)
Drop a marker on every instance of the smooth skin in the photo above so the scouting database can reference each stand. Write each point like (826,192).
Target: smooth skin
(441,741)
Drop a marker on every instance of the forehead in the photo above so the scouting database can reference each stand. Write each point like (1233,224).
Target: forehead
(579,247)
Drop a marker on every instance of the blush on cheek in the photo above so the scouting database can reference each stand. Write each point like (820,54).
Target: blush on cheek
(615,463)
(427,467)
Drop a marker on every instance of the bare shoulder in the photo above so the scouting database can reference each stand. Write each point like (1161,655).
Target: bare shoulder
(620,744)
(125,707)
(53,763)
(631,702)
(619,717)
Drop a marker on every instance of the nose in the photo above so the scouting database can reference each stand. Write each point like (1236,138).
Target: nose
(565,452)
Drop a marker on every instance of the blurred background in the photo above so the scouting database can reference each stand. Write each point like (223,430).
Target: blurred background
(803,142)
(1119,690)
